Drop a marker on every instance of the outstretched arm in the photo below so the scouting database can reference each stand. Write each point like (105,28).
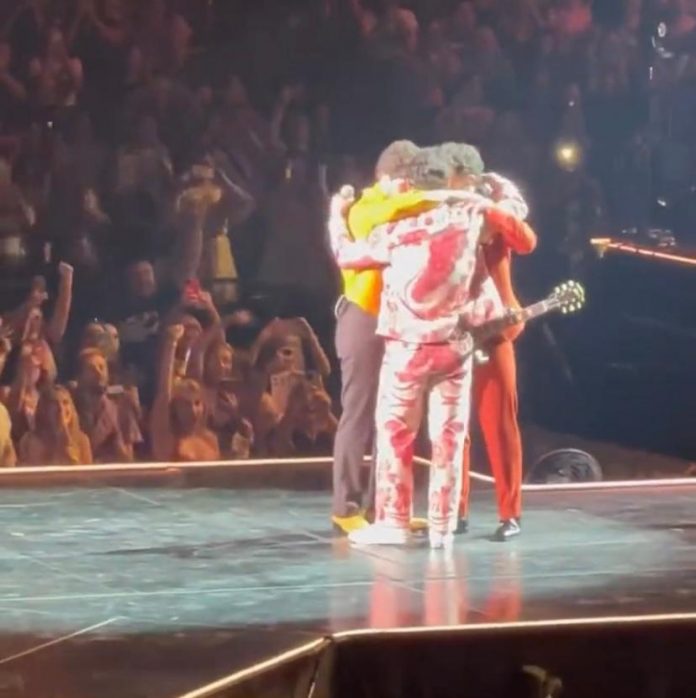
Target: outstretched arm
(370,253)
(161,428)
(59,319)
(213,333)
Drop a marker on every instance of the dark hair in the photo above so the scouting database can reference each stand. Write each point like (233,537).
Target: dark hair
(268,351)
(433,167)
(270,348)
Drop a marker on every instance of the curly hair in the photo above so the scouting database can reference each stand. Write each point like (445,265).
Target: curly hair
(433,167)
(395,159)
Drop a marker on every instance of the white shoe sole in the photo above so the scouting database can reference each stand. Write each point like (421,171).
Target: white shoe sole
(439,541)
(379,535)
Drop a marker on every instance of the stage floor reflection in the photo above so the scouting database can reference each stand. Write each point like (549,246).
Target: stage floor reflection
(162,590)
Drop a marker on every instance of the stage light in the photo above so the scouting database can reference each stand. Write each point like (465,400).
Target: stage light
(603,245)
(568,154)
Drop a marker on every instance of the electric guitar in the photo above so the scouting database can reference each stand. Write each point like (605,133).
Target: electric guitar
(567,298)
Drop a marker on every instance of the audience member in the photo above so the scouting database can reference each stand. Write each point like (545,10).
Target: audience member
(56,437)
(178,425)
(101,416)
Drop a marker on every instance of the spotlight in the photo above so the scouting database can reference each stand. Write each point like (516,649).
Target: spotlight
(568,155)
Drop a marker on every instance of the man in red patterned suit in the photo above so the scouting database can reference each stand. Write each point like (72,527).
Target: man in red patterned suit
(435,281)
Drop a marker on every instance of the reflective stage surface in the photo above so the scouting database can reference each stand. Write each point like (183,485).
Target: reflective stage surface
(154,591)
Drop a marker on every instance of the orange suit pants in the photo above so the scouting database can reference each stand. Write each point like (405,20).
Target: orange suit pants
(495,403)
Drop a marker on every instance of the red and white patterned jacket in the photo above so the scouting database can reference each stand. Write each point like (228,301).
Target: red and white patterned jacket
(434,271)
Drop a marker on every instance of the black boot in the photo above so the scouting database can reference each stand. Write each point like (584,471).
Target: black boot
(462,527)
(510,528)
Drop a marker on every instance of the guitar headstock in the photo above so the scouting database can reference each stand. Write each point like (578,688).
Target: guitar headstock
(568,297)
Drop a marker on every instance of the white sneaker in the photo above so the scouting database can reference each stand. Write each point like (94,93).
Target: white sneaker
(440,540)
(380,534)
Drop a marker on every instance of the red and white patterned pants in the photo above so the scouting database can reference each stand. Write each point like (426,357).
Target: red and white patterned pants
(410,373)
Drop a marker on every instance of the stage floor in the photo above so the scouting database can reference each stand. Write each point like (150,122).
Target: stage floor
(133,592)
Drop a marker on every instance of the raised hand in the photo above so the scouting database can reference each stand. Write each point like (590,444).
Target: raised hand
(175,333)
(303,327)
(65,270)
(341,202)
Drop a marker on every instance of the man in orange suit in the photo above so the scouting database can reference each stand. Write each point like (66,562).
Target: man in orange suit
(495,382)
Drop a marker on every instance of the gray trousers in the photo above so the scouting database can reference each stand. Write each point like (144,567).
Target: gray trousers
(360,352)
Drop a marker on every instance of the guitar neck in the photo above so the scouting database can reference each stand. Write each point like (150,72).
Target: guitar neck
(494,327)
(536,310)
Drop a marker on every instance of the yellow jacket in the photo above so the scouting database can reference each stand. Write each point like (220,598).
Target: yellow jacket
(376,206)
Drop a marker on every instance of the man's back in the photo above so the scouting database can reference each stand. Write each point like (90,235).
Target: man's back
(436,274)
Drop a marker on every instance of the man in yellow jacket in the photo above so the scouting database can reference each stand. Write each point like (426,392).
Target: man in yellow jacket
(358,347)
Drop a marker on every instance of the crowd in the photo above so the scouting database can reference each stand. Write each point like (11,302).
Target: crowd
(166,286)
